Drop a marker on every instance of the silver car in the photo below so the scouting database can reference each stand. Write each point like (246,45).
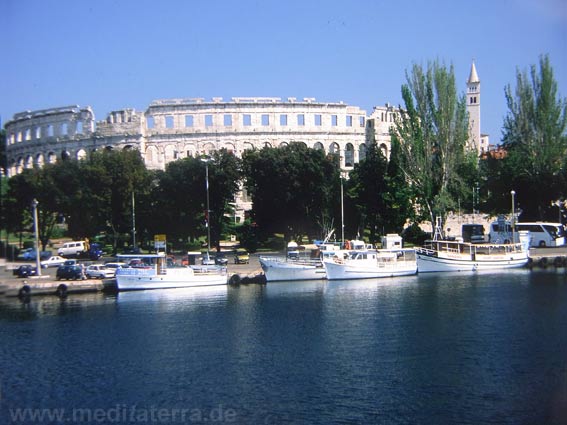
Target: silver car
(99,271)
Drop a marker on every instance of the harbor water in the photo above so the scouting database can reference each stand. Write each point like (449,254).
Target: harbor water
(448,348)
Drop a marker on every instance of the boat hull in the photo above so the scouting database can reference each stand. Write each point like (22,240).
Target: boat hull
(429,263)
(279,270)
(346,271)
(142,279)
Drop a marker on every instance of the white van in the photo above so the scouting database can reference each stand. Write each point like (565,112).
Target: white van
(542,234)
(72,249)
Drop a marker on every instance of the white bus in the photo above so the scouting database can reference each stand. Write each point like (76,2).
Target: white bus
(542,234)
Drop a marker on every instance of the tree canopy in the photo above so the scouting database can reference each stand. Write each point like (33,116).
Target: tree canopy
(534,136)
(293,189)
(430,136)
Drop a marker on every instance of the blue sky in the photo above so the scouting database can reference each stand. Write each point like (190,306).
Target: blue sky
(115,54)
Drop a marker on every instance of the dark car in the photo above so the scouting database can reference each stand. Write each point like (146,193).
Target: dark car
(221,260)
(73,272)
(25,270)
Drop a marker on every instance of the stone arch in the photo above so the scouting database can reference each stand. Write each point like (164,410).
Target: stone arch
(169,153)
(28,162)
(349,155)
(267,145)
(39,160)
(282,144)
(230,147)
(152,155)
(319,146)
(362,150)
(81,154)
(51,158)
(190,150)
(208,148)
(65,155)
(108,148)
(20,165)
(384,149)
(334,148)
(248,146)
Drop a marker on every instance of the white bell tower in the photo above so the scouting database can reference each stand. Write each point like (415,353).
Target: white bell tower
(473,108)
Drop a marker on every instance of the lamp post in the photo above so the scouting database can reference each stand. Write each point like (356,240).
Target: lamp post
(36,237)
(133,221)
(513,193)
(206,161)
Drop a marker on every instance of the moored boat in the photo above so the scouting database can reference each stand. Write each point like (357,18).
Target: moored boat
(154,272)
(372,264)
(456,255)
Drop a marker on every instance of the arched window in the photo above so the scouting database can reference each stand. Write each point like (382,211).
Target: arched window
(384,149)
(81,154)
(349,155)
(362,149)
(334,148)
(318,145)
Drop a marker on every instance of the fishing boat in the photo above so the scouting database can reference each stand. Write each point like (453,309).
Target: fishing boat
(439,255)
(371,264)
(305,263)
(154,271)
(298,266)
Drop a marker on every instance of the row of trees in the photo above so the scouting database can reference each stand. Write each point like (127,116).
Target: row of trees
(297,191)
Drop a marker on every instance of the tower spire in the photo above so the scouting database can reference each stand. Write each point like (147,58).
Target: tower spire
(473,76)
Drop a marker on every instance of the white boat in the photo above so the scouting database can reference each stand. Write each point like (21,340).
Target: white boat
(296,266)
(154,272)
(372,264)
(282,269)
(444,256)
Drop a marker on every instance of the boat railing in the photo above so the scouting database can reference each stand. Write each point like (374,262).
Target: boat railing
(293,260)
(203,269)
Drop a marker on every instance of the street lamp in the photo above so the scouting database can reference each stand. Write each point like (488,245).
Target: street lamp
(206,161)
(36,237)
(513,193)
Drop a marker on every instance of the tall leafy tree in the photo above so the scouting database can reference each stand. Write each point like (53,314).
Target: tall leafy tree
(432,133)
(293,188)
(535,137)
(112,176)
(181,209)
(225,171)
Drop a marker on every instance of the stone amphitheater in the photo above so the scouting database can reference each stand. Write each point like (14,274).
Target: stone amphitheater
(176,128)
(170,129)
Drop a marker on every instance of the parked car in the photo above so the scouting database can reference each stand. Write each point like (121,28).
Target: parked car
(53,261)
(28,254)
(241,256)
(25,270)
(99,271)
(220,259)
(114,266)
(80,249)
(73,272)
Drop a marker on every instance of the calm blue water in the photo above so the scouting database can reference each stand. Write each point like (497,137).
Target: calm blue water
(431,349)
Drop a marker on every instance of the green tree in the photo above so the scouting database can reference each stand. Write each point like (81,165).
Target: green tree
(367,186)
(431,134)
(292,188)
(181,196)
(225,171)
(535,138)
(36,183)
(111,177)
